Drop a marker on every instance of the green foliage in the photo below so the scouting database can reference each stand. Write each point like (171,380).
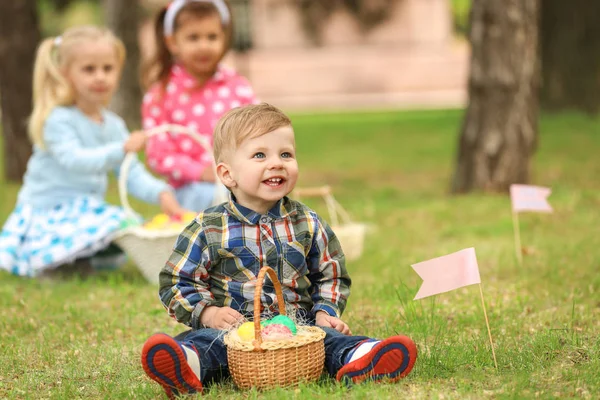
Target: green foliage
(460,16)
(54,20)
(82,338)
(316,13)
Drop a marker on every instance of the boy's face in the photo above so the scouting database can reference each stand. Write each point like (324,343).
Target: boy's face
(261,170)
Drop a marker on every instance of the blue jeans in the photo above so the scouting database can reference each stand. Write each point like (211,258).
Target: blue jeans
(213,353)
(196,196)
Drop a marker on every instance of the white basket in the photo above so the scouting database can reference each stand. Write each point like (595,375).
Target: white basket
(150,249)
(350,234)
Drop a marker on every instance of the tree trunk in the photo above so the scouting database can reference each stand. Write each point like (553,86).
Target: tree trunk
(499,131)
(122,17)
(570,53)
(19,37)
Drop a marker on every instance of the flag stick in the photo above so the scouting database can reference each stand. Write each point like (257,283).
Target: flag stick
(487,322)
(518,251)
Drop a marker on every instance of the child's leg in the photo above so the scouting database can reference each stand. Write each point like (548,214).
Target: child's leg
(358,358)
(213,353)
(337,346)
(110,258)
(81,267)
(183,366)
(196,196)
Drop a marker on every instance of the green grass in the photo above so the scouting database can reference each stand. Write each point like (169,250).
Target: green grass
(82,338)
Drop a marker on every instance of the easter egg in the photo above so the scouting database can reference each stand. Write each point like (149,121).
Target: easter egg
(276,332)
(151,226)
(126,223)
(160,219)
(246,331)
(283,320)
(188,216)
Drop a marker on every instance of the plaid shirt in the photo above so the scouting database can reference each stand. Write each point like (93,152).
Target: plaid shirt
(216,260)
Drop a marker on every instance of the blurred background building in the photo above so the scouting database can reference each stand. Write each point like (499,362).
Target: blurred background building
(303,55)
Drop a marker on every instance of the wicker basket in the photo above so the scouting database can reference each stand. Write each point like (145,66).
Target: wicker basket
(350,234)
(150,249)
(275,363)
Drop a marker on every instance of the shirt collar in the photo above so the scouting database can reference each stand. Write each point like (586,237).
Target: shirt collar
(180,74)
(282,209)
(103,113)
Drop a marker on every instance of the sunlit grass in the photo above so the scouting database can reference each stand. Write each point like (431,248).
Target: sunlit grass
(82,338)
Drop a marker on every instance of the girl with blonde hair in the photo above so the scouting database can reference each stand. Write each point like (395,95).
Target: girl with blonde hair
(61,215)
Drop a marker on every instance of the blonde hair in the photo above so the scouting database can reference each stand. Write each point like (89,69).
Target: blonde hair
(50,86)
(246,123)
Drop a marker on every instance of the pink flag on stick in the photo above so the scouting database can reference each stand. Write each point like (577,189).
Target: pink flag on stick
(530,198)
(447,273)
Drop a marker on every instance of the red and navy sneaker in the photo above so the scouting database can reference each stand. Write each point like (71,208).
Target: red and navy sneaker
(165,361)
(391,359)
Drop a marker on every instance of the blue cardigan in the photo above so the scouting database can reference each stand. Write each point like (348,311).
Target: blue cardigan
(77,157)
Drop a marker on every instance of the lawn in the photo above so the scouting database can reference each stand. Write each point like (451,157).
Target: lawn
(82,338)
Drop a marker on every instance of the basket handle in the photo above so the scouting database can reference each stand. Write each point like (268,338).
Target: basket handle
(129,157)
(257,292)
(334,208)
(318,191)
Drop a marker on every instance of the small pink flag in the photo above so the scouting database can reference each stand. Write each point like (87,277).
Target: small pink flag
(530,198)
(447,273)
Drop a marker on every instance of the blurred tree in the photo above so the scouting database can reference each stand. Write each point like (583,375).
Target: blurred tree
(570,53)
(122,17)
(61,5)
(19,37)
(499,131)
(58,15)
(368,14)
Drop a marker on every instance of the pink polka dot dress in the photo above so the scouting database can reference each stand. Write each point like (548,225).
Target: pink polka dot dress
(178,157)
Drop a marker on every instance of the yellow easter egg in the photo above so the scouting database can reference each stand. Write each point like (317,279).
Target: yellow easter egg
(188,217)
(150,226)
(246,331)
(160,219)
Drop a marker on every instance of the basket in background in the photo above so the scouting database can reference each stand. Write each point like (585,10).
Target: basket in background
(350,234)
(150,248)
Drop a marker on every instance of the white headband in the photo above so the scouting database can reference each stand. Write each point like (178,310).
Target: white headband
(177,5)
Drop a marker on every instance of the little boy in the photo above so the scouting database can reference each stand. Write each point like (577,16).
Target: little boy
(208,282)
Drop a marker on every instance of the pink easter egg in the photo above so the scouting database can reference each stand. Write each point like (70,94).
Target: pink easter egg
(276,332)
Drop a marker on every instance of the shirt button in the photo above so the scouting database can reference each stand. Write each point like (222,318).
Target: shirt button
(264,220)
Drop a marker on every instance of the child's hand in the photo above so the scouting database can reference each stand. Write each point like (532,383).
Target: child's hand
(324,319)
(169,204)
(220,317)
(136,142)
